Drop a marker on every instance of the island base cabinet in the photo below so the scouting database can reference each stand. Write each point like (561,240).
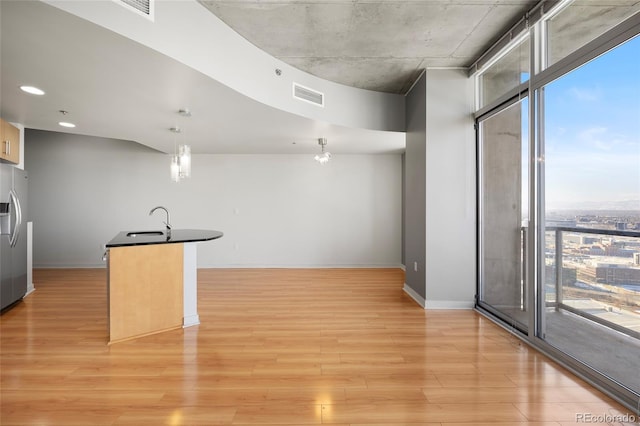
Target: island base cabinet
(145,290)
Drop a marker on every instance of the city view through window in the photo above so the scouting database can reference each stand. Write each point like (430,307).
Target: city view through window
(592,182)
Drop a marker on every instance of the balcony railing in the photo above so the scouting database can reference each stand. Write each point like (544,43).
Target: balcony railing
(595,273)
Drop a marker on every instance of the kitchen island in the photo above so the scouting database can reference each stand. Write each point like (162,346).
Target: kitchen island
(152,281)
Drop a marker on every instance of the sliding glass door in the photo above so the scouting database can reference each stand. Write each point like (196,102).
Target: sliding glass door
(503,156)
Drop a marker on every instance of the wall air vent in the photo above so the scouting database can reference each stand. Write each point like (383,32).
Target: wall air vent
(142,7)
(308,95)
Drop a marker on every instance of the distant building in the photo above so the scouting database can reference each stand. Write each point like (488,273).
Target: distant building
(616,250)
(615,274)
(561,223)
(581,238)
(569,275)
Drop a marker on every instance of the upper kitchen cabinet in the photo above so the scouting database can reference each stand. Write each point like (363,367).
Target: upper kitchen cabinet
(10,137)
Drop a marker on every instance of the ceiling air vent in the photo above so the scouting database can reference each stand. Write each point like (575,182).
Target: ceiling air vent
(143,7)
(308,95)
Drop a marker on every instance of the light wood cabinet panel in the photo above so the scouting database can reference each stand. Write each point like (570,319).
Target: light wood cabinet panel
(145,290)
(10,138)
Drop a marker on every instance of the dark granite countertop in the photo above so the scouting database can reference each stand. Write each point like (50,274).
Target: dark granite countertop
(132,238)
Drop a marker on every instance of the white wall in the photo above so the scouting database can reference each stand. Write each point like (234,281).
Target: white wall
(275,210)
(450,192)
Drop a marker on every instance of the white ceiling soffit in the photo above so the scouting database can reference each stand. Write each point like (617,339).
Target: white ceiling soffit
(308,95)
(185,31)
(114,87)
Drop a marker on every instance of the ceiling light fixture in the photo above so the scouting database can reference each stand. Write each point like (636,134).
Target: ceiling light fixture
(324,156)
(181,158)
(32,90)
(65,123)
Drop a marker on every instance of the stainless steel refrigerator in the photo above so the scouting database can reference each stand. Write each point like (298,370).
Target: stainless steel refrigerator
(13,234)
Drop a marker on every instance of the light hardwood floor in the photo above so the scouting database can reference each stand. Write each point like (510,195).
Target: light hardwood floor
(342,347)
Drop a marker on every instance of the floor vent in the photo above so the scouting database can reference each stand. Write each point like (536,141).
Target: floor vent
(308,95)
(143,7)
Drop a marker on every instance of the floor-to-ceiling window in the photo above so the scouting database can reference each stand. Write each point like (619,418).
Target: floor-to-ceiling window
(592,213)
(558,132)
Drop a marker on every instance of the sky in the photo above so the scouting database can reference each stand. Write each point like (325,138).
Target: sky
(592,133)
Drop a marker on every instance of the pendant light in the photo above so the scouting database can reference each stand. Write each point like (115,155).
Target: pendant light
(324,156)
(181,158)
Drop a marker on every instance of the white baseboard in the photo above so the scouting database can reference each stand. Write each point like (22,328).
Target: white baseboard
(448,304)
(190,321)
(415,296)
(437,304)
(70,266)
(309,266)
(229,266)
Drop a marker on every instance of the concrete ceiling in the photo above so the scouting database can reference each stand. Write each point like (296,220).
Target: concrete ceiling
(371,44)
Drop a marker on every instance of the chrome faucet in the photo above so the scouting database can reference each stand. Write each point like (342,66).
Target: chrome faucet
(168,222)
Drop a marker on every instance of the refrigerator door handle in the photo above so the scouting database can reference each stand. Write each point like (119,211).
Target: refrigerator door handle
(16,228)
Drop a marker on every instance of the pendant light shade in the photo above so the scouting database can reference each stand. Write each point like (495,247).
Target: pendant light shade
(175,169)
(184,160)
(324,156)
(181,158)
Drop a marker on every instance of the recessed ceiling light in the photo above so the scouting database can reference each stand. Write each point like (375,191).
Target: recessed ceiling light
(32,90)
(65,124)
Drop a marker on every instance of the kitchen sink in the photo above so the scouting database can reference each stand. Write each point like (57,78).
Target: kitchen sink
(144,233)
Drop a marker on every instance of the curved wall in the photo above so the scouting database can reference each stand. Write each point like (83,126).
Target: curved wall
(186,31)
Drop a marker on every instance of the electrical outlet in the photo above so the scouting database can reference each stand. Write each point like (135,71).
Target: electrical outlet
(415,266)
